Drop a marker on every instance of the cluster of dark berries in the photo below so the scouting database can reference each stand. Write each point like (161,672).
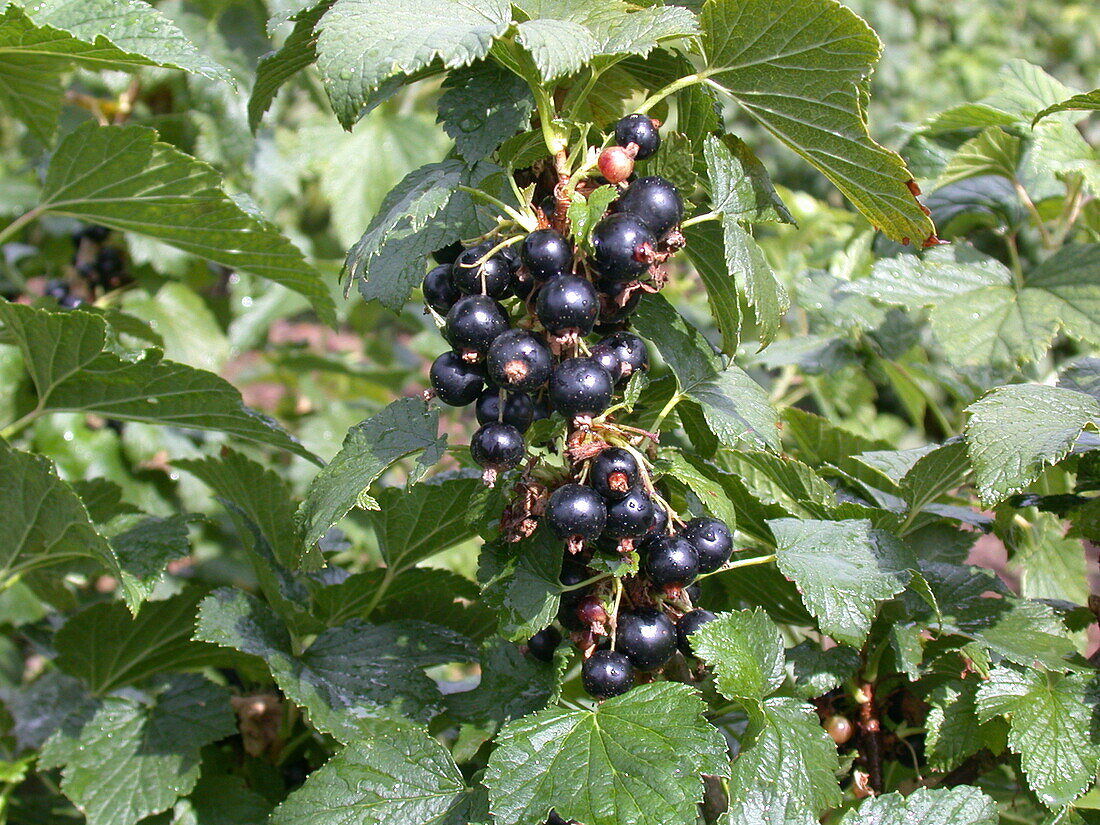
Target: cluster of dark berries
(98,267)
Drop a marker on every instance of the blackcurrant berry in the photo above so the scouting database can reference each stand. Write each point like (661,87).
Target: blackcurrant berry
(448,254)
(606,358)
(629,349)
(543,644)
(590,611)
(496,446)
(688,624)
(580,386)
(70,302)
(660,521)
(519,360)
(547,253)
(639,130)
(568,303)
(542,408)
(655,202)
(614,473)
(622,243)
(523,285)
(630,517)
(616,164)
(572,574)
(473,323)
(554,819)
(439,292)
(670,561)
(109,262)
(493,277)
(693,592)
(607,673)
(511,257)
(712,541)
(840,728)
(647,637)
(613,309)
(57,289)
(455,382)
(576,512)
(519,409)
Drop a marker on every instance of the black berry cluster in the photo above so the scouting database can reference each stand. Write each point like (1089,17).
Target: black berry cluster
(97,267)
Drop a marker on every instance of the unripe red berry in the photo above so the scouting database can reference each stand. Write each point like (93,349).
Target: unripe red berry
(839,728)
(616,164)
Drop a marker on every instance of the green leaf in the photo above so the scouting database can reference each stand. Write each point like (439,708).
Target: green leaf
(746,652)
(520,582)
(108,648)
(1016,431)
(364,43)
(935,473)
(927,806)
(1085,102)
(482,105)
(1051,728)
(707,251)
(735,407)
(558,47)
(821,441)
(225,800)
(839,568)
(636,758)
(702,479)
(1082,375)
(993,152)
(776,479)
(406,427)
(817,671)
(144,545)
(746,262)
(585,213)
(399,773)
(954,732)
(149,743)
(274,69)
(512,685)
(122,177)
(740,185)
(348,674)
(800,68)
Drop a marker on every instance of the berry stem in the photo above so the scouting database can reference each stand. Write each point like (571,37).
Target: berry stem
(528,222)
(740,563)
(580,585)
(675,86)
(706,216)
(614,620)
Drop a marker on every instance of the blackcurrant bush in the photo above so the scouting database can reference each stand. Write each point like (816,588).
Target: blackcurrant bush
(639,130)
(655,202)
(647,637)
(518,409)
(497,446)
(568,303)
(630,517)
(542,408)
(572,574)
(629,349)
(439,292)
(576,512)
(670,561)
(622,244)
(493,277)
(607,673)
(580,386)
(712,541)
(519,360)
(688,624)
(473,323)
(543,644)
(615,164)
(614,473)
(455,382)
(546,253)
(447,254)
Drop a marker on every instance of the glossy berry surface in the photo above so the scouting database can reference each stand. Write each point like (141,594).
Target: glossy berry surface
(639,130)
(670,561)
(590,611)
(497,446)
(621,243)
(493,277)
(630,517)
(655,202)
(647,637)
(614,473)
(439,293)
(518,409)
(543,644)
(567,303)
(572,573)
(455,382)
(546,253)
(519,360)
(688,624)
(607,673)
(474,322)
(629,350)
(606,358)
(660,521)
(576,511)
(712,541)
(615,164)
(580,386)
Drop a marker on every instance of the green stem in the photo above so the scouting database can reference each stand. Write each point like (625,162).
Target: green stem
(383,586)
(1030,205)
(580,585)
(523,220)
(545,106)
(673,88)
(707,216)
(1017,265)
(664,413)
(615,611)
(740,563)
(19,223)
(21,424)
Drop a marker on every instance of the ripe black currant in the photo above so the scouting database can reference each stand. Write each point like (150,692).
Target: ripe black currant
(473,323)
(614,473)
(543,644)
(647,637)
(660,521)
(568,303)
(510,257)
(628,349)
(688,624)
(518,410)
(109,262)
(576,512)
(612,308)
(497,446)
(622,243)
(519,360)
(523,285)
(670,561)
(572,573)
(542,408)
(94,233)
(655,202)
(455,382)
(607,673)
(439,292)
(580,386)
(712,541)
(546,253)
(630,517)
(606,358)
(493,277)
(447,254)
(639,130)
